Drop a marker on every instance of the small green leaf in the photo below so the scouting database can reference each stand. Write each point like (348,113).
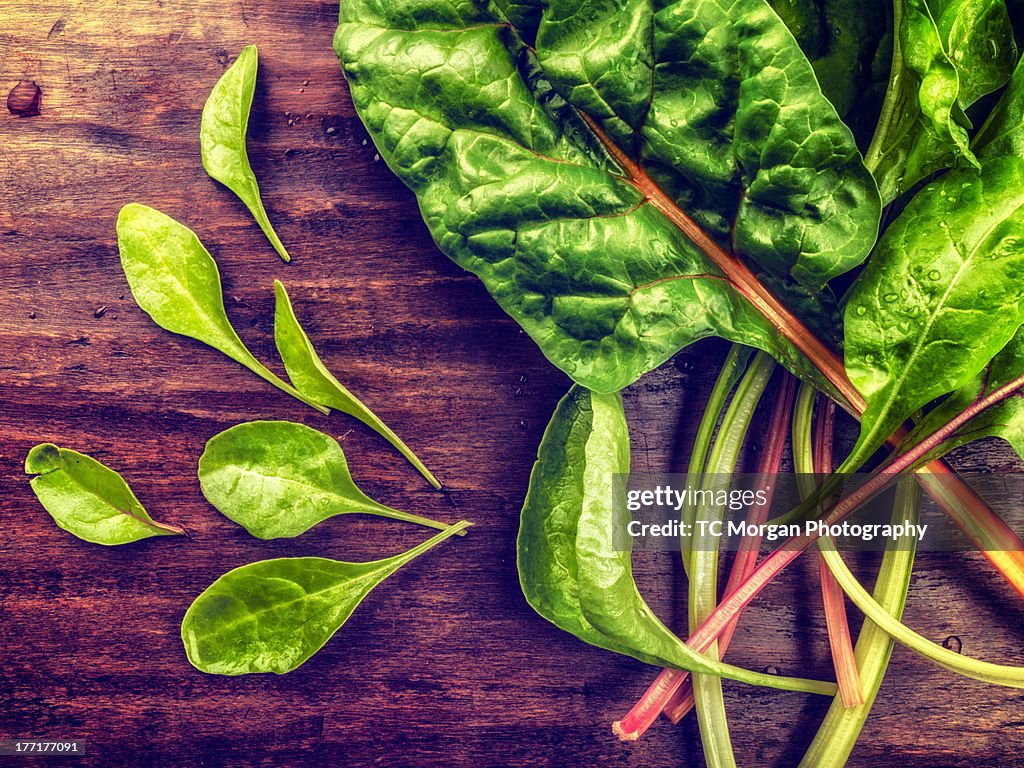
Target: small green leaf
(89,499)
(311,377)
(278,479)
(942,294)
(175,280)
(570,569)
(273,615)
(222,138)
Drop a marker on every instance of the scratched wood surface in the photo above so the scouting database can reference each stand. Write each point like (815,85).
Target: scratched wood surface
(445,665)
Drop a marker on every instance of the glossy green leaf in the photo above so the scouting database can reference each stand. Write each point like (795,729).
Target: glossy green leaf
(942,294)
(570,569)
(222,139)
(273,615)
(278,479)
(175,281)
(948,54)
(89,499)
(564,175)
(311,377)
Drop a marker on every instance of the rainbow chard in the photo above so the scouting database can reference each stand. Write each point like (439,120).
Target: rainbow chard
(574,569)
(616,174)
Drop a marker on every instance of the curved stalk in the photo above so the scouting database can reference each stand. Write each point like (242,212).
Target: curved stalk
(640,718)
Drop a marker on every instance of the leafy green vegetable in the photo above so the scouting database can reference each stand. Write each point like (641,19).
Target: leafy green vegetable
(176,282)
(89,499)
(560,175)
(947,55)
(222,139)
(569,567)
(273,615)
(279,479)
(942,294)
(311,377)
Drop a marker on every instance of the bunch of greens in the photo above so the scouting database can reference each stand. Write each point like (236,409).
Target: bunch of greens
(627,178)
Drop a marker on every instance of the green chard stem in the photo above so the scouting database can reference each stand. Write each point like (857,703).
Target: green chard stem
(746,555)
(842,725)
(640,718)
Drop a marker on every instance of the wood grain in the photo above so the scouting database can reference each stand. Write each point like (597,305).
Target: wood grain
(445,665)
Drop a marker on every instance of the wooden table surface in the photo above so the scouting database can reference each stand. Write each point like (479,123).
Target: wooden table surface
(444,665)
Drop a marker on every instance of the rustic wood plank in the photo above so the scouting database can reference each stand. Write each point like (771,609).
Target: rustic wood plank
(445,665)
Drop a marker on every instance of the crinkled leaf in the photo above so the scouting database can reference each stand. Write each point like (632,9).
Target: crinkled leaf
(571,571)
(948,54)
(273,615)
(559,175)
(942,294)
(88,499)
(311,377)
(278,479)
(175,281)
(222,138)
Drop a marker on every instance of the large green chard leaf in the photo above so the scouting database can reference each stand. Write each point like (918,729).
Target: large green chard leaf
(947,55)
(569,567)
(943,293)
(560,174)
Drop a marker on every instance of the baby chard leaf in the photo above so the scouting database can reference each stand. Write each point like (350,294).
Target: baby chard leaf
(615,184)
(175,281)
(569,567)
(943,293)
(89,499)
(947,55)
(222,139)
(273,615)
(278,479)
(311,377)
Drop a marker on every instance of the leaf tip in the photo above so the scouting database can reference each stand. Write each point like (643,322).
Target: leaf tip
(42,459)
